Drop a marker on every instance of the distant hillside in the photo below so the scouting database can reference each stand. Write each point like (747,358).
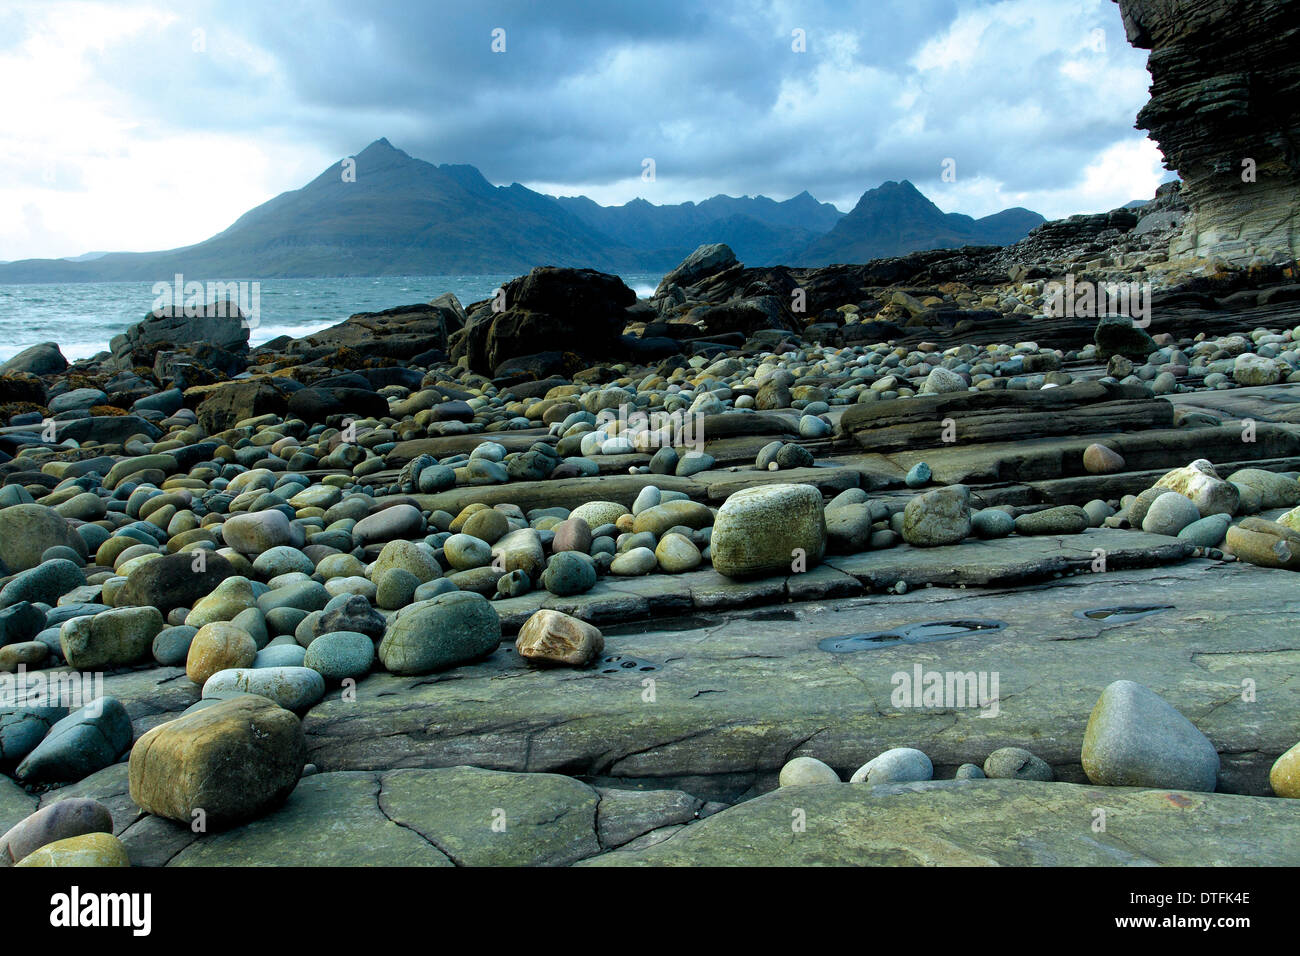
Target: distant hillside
(761,231)
(403,216)
(895,218)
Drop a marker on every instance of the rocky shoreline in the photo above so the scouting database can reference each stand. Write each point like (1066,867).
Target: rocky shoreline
(353,575)
(980,556)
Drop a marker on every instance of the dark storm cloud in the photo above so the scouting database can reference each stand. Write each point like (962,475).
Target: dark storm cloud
(713,92)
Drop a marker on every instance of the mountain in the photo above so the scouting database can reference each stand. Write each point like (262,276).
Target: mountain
(895,218)
(404,216)
(759,230)
(400,216)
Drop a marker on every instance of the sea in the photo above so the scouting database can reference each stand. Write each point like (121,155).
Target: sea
(83,316)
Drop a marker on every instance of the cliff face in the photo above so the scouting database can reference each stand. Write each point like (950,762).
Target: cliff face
(1225,86)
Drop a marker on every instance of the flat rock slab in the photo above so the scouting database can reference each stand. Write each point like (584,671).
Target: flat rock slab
(726,702)
(328,820)
(829,480)
(973,563)
(557,493)
(968,461)
(1014,559)
(984,823)
(447,446)
(464,816)
(1265,403)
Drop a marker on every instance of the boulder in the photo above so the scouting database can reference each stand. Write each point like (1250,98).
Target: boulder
(938,517)
(86,740)
(575,311)
(1201,483)
(43,359)
(1135,739)
(175,580)
(87,850)
(113,638)
(448,630)
(552,637)
(769,530)
(62,820)
(707,260)
(233,760)
(27,531)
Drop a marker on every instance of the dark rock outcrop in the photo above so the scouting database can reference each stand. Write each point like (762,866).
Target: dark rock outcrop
(43,359)
(551,309)
(218,324)
(398,333)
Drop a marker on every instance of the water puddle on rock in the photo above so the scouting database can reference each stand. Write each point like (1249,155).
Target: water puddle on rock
(1121,615)
(920,633)
(623,664)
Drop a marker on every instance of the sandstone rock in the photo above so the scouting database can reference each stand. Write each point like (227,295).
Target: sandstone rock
(91,849)
(233,760)
(112,638)
(937,517)
(1100,460)
(1284,778)
(1201,483)
(551,637)
(764,530)
(217,647)
(227,600)
(597,513)
(1265,543)
(676,553)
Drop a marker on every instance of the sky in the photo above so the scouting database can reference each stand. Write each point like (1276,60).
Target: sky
(136,125)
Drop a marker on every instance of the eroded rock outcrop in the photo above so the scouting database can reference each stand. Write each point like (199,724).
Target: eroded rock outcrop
(1223,93)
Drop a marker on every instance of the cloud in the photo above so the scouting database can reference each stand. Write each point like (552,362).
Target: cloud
(146,125)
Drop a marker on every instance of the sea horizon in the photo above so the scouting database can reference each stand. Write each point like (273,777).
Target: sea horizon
(82,317)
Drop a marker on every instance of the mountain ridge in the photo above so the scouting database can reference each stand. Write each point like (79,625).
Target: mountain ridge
(405,216)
